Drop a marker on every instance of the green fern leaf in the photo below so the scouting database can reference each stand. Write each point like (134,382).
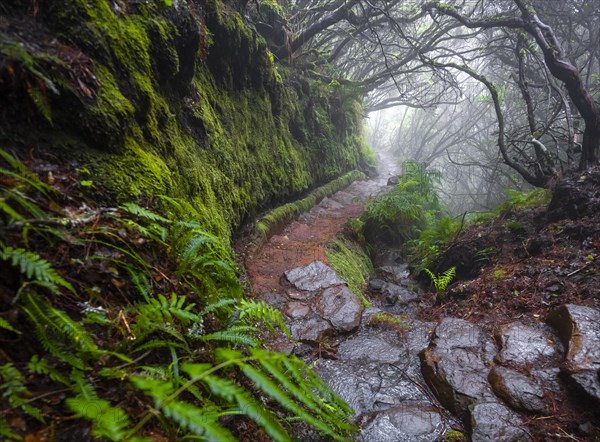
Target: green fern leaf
(136,210)
(107,421)
(6,326)
(33,266)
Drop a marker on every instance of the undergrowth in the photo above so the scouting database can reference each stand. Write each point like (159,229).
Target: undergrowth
(134,325)
(352,264)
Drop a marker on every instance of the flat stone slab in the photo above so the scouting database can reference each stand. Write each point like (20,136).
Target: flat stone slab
(406,423)
(579,329)
(370,386)
(312,329)
(373,345)
(523,345)
(313,276)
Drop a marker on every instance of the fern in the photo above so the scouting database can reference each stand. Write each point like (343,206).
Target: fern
(14,390)
(235,335)
(107,421)
(33,266)
(6,431)
(59,334)
(251,312)
(441,281)
(146,214)
(197,420)
(6,326)
(285,390)
(41,366)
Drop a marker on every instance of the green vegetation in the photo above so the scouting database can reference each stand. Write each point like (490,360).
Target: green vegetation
(441,281)
(119,304)
(283,214)
(187,105)
(389,321)
(352,264)
(400,214)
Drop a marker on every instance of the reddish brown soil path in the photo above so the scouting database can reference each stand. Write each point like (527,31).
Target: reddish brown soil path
(304,240)
(299,244)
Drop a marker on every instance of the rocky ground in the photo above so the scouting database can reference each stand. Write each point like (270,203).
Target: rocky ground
(510,353)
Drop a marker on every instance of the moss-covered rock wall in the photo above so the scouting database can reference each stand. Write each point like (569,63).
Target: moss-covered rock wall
(182,101)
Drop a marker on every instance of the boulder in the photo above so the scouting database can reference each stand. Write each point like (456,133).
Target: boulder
(313,329)
(340,307)
(523,345)
(455,365)
(313,276)
(579,329)
(406,423)
(517,390)
(492,421)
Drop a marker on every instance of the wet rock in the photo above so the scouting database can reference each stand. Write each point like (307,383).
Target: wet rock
(517,390)
(328,203)
(313,276)
(393,180)
(579,329)
(374,345)
(406,423)
(310,330)
(296,310)
(522,345)
(370,386)
(398,294)
(376,285)
(491,421)
(396,273)
(455,365)
(340,307)
(548,378)
(345,198)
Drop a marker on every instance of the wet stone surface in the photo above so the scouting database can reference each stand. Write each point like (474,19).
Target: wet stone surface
(517,390)
(579,329)
(522,345)
(455,365)
(314,276)
(406,423)
(340,307)
(492,421)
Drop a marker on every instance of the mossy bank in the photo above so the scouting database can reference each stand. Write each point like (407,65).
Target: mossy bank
(182,101)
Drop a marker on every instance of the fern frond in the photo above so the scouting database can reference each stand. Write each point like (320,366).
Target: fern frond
(107,421)
(146,214)
(219,304)
(41,366)
(6,326)
(59,334)
(5,430)
(34,266)
(235,335)
(13,388)
(197,420)
(247,404)
(252,312)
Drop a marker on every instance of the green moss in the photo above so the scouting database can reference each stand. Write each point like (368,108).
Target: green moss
(389,321)
(242,135)
(352,264)
(281,215)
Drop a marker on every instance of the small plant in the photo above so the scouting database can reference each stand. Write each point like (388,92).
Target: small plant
(386,320)
(441,281)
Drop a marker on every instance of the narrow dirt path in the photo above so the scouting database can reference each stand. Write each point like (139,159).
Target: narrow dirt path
(304,240)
